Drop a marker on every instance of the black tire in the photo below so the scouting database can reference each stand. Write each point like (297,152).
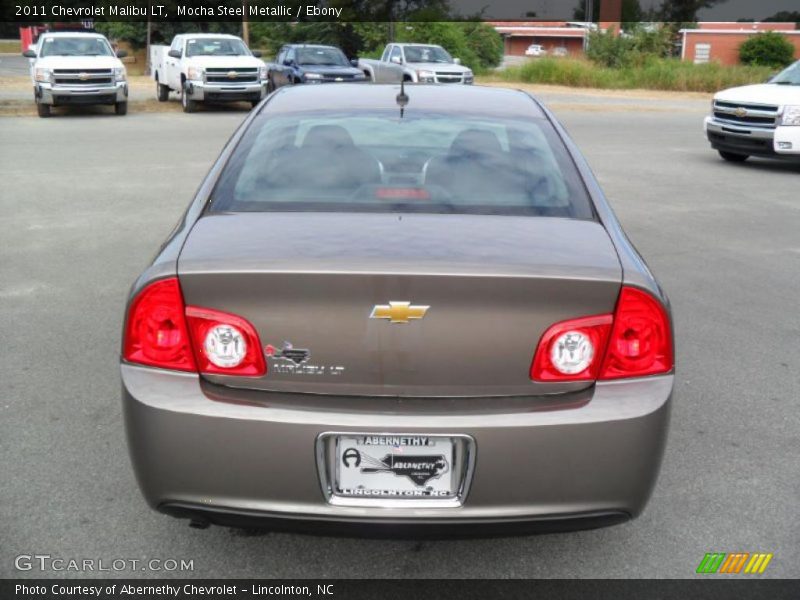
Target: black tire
(270,85)
(255,103)
(733,157)
(121,108)
(162,92)
(189,105)
(43,110)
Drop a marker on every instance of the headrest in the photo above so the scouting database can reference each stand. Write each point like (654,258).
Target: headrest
(475,141)
(327,136)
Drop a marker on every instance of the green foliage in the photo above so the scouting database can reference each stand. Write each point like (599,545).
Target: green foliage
(631,49)
(477,44)
(769,49)
(654,73)
(129,31)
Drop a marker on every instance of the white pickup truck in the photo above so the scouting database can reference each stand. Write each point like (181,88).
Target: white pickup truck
(420,63)
(758,120)
(208,67)
(77,68)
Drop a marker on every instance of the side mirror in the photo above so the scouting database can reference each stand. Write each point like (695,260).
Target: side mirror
(396,60)
(257,53)
(121,53)
(457,61)
(174,53)
(29,54)
(354,62)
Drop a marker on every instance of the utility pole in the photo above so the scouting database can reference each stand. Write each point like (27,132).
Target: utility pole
(588,15)
(148,68)
(245,24)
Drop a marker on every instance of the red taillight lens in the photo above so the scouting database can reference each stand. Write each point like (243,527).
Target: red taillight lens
(633,342)
(156,332)
(571,350)
(641,338)
(225,344)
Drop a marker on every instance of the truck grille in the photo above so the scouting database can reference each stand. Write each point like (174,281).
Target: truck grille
(83,76)
(238,75)
(449,77)
(753,115)
(342,77)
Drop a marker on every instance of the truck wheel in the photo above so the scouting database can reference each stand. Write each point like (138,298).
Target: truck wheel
(270,86)
(162,92)
(189,106)
(43,109)
(121,108)
(733,157)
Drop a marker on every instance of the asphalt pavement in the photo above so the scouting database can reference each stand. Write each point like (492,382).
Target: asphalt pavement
(85,200)
(14,65)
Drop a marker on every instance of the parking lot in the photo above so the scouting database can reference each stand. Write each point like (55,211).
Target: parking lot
(87,198)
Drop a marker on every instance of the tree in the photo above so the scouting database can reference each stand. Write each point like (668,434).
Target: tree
(769,48)
(786,16)
(683,11)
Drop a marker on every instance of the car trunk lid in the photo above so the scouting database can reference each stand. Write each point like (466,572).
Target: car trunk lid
(319,288)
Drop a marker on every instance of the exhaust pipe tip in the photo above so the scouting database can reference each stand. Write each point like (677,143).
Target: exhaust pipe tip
(198,523)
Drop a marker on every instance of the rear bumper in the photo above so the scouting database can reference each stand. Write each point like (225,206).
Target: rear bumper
(208,92)
(81,94)
(236,461)
(780,142)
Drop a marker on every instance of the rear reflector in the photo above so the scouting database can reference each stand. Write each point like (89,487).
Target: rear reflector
(225,344)
(633,342)
(156,332)
(572,350)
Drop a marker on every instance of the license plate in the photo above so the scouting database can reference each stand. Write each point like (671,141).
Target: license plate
(398,467)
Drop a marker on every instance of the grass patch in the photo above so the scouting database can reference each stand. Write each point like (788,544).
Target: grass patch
(654,74)
(9,46)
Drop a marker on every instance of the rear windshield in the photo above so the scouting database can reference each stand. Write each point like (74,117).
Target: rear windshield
(381,162)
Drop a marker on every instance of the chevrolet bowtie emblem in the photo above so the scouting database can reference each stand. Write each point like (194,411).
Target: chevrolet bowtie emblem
(398,312)
(740,112)
(83,76)
(231,74)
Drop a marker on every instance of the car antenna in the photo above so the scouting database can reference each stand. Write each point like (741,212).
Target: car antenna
(402,98)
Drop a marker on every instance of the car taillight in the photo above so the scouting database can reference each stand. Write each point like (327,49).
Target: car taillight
(156,332)
(225,344)
(633,342)
(162,332)
(641,338)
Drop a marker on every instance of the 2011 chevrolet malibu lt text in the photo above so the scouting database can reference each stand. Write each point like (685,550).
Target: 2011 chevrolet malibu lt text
(398,309)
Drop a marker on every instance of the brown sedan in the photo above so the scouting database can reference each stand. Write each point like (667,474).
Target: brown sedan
(405,309)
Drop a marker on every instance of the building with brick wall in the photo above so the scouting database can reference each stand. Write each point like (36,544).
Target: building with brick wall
(719,42)
(518,35)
